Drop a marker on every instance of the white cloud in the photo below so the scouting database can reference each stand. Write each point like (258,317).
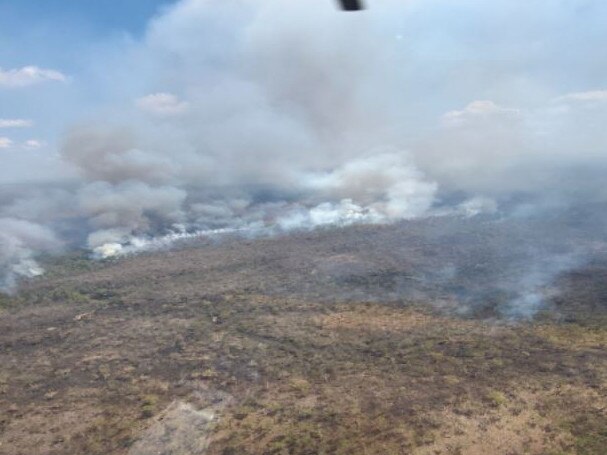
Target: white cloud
(590,96)
(476,109)
(5,142)
(33,144)
(29,75)
(162,104)
(15,123)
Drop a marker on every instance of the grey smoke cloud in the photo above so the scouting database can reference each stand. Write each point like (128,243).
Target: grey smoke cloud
(129,207)
(262,114)
(275,91)
(112,156)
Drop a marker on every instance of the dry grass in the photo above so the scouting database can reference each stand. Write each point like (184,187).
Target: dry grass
(327,342)
(375,319)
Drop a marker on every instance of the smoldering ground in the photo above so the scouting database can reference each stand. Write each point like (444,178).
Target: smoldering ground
(261,117)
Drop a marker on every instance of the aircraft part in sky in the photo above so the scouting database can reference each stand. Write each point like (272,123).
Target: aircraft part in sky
(351,5)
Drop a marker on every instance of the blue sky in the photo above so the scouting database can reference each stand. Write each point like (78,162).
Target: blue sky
(65,36)
(98,17)
(49,32)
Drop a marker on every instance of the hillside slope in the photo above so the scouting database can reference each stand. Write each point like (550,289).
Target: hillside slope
(375,340)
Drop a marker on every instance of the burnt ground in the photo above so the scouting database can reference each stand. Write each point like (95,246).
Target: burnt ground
(371,340)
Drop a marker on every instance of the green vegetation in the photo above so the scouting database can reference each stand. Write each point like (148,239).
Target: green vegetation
(497,398)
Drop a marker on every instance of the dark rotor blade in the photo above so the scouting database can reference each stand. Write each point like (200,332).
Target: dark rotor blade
(351,5)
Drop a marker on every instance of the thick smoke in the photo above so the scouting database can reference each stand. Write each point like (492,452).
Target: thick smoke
(268,116)
(386,184)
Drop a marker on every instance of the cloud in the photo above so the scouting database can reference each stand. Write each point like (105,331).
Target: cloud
(5,142)
(29,75)
(162,104)
(15,123)
(590,96)
(33,144)
(486,149)
(476,110)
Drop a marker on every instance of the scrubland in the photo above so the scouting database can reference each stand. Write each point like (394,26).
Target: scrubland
(361,340)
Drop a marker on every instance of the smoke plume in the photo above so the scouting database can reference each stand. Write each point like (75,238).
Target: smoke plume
(266,116)
(19,242)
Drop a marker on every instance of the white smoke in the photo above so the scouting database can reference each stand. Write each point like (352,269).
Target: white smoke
(377,189)
(386,184)
(342,213)
(272,115)
(119,211)
(19,242)
(133,244)
(537,285)
(476,206)
(250,94)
